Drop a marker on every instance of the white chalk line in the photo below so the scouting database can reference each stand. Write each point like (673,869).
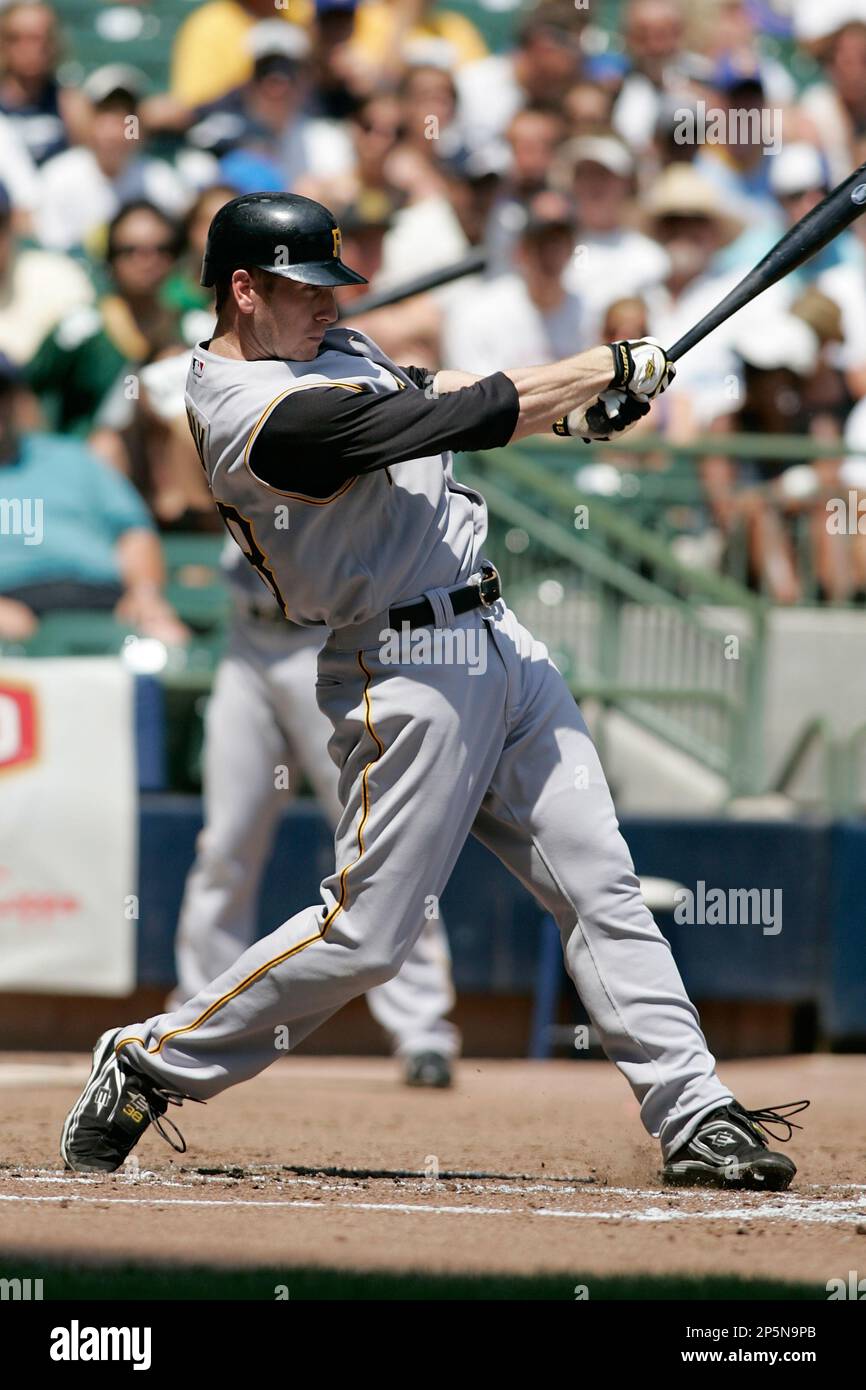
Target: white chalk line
(276,1173)
(794,1210)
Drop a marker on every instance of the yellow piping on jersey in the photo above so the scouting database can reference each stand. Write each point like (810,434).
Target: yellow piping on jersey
(326,923)
(302,386)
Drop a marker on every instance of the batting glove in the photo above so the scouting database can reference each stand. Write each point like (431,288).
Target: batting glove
(641,367)
(613,413)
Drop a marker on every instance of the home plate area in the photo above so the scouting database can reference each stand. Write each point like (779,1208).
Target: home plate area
(527,1170)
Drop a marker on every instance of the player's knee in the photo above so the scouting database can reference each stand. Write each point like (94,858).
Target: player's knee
(378,963)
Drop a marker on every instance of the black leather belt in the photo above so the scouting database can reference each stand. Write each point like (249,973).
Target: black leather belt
(482,593)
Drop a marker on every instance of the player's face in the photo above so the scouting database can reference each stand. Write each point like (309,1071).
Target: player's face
(290,318)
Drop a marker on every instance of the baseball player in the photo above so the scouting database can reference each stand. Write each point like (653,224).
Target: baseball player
(262,724)
(331,465)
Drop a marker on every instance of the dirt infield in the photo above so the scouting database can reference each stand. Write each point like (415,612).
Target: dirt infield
(542,1167)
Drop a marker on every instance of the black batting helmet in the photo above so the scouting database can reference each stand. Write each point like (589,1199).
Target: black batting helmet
(280,232)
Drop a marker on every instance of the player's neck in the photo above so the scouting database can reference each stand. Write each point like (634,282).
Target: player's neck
(226,344)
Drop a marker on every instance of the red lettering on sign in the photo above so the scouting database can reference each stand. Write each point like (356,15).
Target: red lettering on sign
(17,726)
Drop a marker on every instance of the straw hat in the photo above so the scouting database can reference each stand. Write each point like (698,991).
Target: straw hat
(680,191)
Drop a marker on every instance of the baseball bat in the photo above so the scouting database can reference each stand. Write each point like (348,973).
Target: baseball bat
(469,264)
(836,212)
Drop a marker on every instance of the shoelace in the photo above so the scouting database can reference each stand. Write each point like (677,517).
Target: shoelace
(777,1115)
(161,1123)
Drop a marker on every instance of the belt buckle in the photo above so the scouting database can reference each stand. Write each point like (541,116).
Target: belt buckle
(489,587)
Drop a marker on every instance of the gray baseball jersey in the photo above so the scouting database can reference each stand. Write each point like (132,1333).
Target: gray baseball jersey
(427,751)
(403,528)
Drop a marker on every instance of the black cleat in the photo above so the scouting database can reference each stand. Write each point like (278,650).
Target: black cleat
(428,1069)
(113,1111)
(728,1149)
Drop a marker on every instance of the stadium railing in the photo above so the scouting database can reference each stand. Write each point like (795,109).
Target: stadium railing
(679,650)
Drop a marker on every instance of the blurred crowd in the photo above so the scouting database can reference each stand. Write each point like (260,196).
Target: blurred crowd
(620,172)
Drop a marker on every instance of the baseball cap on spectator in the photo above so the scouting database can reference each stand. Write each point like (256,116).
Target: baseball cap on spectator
(823,315)
(797,168)
(249,172)
(273,44)
(116,79)
(372,209)
(607,150)
(428,51)
(5,203)
(680,191)
(335,6)
(779,340)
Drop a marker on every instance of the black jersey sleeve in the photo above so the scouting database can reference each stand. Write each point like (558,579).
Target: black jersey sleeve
(317,438)
(421,376)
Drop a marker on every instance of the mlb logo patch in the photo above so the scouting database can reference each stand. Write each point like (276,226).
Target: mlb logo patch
(197,366)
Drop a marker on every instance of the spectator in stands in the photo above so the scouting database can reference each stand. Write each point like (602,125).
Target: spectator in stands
(37,289)
(533,136)
(836,107)
(800,179)
(146,437)
(47,117)
(659,66)
(264,117)
(183,290)
(688,219)
(428,102)
(611,258)
(80,360)
(587,108)
(541,69)
(375,130)
(85,539)
(526,317)
(341,76)
(778,505)
(440,229)
(739,167)
(827,398)
(385,28)
(83,188)
(20,177)
(210,55)
(728,29)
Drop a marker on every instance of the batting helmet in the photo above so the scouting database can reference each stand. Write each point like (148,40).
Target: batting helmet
(280,232)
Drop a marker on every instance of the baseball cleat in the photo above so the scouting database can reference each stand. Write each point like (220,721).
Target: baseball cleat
(728,1149)
(428,1069)
(113,1111)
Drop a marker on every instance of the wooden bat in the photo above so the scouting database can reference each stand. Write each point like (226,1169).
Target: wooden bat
(837,211)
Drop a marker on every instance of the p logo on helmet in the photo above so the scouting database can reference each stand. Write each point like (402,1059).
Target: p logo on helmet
(338,242)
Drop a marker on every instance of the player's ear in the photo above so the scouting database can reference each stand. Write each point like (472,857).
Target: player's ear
(244,288)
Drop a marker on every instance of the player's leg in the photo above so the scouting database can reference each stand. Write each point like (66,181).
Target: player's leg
(412,1006)
(241,803)
(411,783)
(549,816)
